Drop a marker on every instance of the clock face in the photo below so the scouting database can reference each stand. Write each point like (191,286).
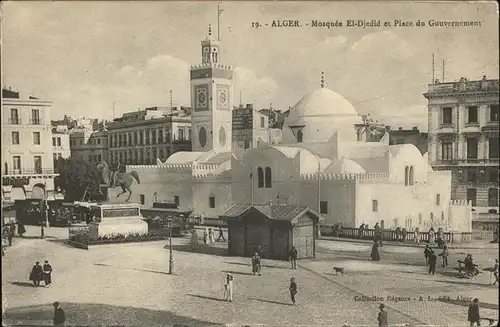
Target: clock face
(222,136)
(202,137)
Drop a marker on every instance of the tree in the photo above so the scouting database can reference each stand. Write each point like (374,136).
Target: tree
(75,178)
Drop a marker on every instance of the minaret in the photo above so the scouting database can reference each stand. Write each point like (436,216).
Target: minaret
(211,100)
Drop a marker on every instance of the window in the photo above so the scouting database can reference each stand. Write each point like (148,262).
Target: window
(493,197)
(98,141)
(15,138)
(176,199)
(14,117)
(58,141)
(16,160)
(167,136)
(35,117)
(53,141)
(446,150)
(493,145)
(494,112)
(161,153)
(246,122)
(268,177)
(260,177)
(471,196)
(407,175)
(438,199)
(140,137)
(299,136)
(90,158)
(323,207)
(472,114)
(99,157)
(36,138)
(37,160)
(447,115)
(471,175)
(135,139)
(411,177)
(54,156)
(262,122)
(160,135)
(246,144)
(153,137)
(471,148)
(143,199)
(375,205)
(493,175)
(181,134)
(189,134)
(211,202)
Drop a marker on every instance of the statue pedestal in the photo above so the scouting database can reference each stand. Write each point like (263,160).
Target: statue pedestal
(116,220)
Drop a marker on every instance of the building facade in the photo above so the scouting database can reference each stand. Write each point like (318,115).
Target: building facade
(409,136)
(60,145)
(148,135)
(88,145)
(464,138)
(28,167)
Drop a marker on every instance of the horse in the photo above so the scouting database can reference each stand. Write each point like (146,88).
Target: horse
(124,180)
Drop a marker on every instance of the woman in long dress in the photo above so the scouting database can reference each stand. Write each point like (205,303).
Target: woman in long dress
(432,236)
(211,236)
(193,244)
(205,236)
(416,236)
(375,255)
(228,288)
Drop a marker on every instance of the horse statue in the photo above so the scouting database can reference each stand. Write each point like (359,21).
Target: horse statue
(113,178)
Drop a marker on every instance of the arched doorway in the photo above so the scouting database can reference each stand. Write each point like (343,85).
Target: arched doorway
(38,192)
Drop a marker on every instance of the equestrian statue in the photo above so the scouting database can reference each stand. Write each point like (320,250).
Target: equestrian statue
(116,176)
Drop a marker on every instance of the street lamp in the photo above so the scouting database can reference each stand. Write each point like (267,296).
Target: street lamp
(170,260)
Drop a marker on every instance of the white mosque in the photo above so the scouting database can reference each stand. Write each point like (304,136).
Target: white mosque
(320,163)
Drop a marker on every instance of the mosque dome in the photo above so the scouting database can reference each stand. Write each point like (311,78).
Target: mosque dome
(318,116)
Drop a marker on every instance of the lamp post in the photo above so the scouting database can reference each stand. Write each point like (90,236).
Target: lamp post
(170,260)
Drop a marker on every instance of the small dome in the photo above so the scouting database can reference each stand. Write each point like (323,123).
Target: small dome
(322,102)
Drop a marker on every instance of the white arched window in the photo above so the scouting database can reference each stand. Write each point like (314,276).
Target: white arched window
(299,136)
(407,177)
(411,176)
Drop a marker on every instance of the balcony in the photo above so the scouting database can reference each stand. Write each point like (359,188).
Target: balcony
(36,121)
(476,161)
(28,171)
(491,127)
(14,121)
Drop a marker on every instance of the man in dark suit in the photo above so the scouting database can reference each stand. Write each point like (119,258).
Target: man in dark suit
(59,317)
(382,317)
(473,314)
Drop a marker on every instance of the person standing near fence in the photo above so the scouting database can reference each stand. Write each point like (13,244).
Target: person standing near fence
(416,236)
(444,255)
(221,235)
(211,236)
(427,252)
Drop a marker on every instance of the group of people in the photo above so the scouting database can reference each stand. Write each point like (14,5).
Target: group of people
(8,233)
(39,273)
(208,237)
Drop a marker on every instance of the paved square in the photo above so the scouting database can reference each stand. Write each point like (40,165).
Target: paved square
(127,284)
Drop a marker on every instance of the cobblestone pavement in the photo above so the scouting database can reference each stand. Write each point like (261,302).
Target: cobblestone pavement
(128,284)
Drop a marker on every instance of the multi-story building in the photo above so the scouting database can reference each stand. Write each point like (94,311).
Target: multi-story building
(464,138)
(144,136)
(88,145)
(251,128)
(369,130)
(28,167)
(409,136)
(60,145)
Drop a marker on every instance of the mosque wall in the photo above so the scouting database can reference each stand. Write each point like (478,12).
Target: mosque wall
(211,196)
(407,156)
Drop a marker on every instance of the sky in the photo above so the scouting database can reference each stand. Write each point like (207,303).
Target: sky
(85,56)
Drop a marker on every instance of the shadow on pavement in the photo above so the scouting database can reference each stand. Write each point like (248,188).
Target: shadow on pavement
(263,266)
(268,301)
(101,314)
(130,268)
(23,284)
(207,297)
(63,243)
(238,272)
(202,248)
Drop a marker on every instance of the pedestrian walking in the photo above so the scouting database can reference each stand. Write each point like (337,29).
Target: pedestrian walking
(293,289)
(36,274)
(375,255)
(427,252)
(382,317)
(221,235)
(495,272)
(20,228)
(47,273)
(416,236)
(293,257)
(205,236)
(10,233)
(444,255)
(193,243)
(256,264)
(228,287)
(432,263)
(59,316)
(211,236)
(473,315)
